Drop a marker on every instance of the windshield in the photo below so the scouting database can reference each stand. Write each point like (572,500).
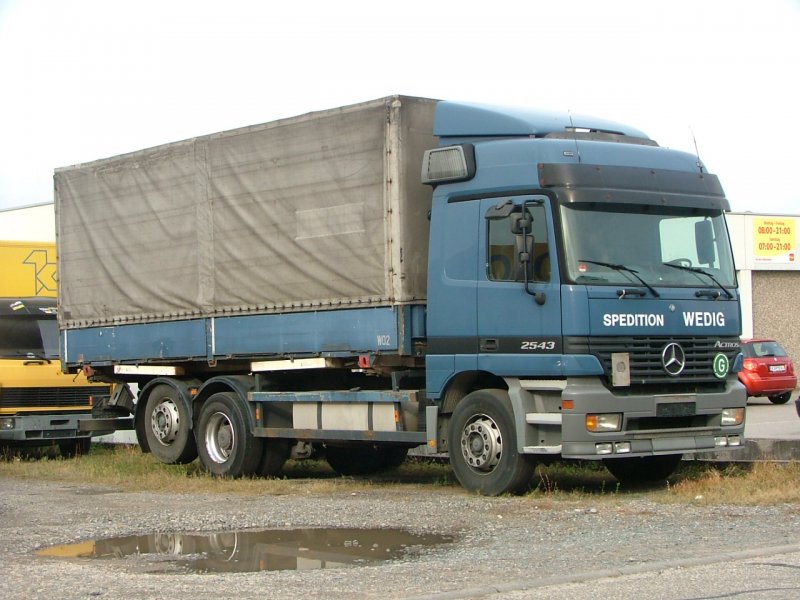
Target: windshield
(664,246)
(27,336)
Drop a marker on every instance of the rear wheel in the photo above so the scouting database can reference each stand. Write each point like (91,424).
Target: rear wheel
(395,456)
(483,445)
(365,459)
(225,444)
(167,427)
(643,469)
(781,398)
(273,457)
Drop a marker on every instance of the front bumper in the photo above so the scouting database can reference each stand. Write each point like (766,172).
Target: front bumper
(651,424)
(37,430)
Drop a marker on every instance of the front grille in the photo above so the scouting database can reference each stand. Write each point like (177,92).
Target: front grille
(661,423)
(645,352)
(46,397)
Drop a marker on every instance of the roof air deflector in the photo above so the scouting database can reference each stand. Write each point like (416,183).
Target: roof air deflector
(457,119)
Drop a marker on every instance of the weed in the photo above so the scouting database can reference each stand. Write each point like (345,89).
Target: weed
(126,467)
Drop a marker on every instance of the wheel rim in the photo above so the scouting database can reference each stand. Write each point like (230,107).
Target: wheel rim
(220,438)
(481,443)
(224,545)
(168,543)
(165,421)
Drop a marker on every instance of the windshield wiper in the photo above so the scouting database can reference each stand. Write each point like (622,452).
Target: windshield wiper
(623,269)
(26,356)
(700,272)
(36,358)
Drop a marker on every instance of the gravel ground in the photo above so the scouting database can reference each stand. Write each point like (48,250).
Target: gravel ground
(495,540)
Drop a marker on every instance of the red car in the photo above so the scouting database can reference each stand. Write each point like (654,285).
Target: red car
(767,370)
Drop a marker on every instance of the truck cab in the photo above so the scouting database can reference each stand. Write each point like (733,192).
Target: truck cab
(582,297)
(39,405)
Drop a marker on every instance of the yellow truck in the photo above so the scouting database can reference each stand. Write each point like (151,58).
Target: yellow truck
(39,405)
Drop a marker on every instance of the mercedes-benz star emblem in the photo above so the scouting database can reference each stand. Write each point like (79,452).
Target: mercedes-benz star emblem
(673,358)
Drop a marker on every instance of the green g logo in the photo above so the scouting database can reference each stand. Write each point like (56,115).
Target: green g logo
(721,365)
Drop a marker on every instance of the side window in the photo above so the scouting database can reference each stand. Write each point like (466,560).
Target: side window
(505,247)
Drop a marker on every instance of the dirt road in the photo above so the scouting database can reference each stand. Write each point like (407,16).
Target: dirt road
(491,542)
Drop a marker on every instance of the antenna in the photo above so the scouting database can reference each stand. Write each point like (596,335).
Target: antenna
(574,135)
(696,151)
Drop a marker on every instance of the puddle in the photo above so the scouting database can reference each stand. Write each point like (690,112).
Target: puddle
(248,551)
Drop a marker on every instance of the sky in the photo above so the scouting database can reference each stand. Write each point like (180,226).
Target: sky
(87,79)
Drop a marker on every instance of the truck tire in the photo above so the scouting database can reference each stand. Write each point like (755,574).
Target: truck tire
(225,444)
(76,447)
(395,456)
(273,457)
(780,398)
(643,469)
(167,427)
(483,445)
(364,459)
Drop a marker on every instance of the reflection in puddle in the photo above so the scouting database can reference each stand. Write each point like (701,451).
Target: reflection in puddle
(245,551)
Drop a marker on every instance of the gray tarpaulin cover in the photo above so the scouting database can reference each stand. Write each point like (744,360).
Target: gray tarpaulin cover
(315,212)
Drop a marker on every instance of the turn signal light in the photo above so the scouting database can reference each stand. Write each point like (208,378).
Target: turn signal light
(603,422)
(732,417)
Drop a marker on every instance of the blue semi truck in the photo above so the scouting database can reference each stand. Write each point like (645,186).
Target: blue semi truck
(502,285)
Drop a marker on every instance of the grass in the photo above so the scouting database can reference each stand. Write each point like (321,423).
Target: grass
(126,468)
(763,483)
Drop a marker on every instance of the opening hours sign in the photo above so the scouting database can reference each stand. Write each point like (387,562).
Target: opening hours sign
(774,240)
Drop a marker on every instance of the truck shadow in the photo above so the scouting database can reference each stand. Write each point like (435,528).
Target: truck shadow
(565,477)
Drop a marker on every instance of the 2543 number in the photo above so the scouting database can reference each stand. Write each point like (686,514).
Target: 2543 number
(533,345)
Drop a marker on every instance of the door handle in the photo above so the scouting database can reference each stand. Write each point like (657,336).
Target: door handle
(488,345)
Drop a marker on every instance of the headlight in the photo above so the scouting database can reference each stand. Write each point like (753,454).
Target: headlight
(6,423)
(604,422)
(732,417)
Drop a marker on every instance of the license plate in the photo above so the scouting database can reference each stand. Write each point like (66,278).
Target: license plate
(676,409)
(777,368)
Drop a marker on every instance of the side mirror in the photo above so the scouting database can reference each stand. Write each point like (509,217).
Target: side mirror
(704,242)
(500,211)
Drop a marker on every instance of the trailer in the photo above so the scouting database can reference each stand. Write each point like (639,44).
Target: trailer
(499,284)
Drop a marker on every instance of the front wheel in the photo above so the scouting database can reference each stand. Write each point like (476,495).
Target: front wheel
(780,398)
(483,445)
(226,446)
(643,469)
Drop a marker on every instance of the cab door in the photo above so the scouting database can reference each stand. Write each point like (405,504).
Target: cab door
(519,300)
